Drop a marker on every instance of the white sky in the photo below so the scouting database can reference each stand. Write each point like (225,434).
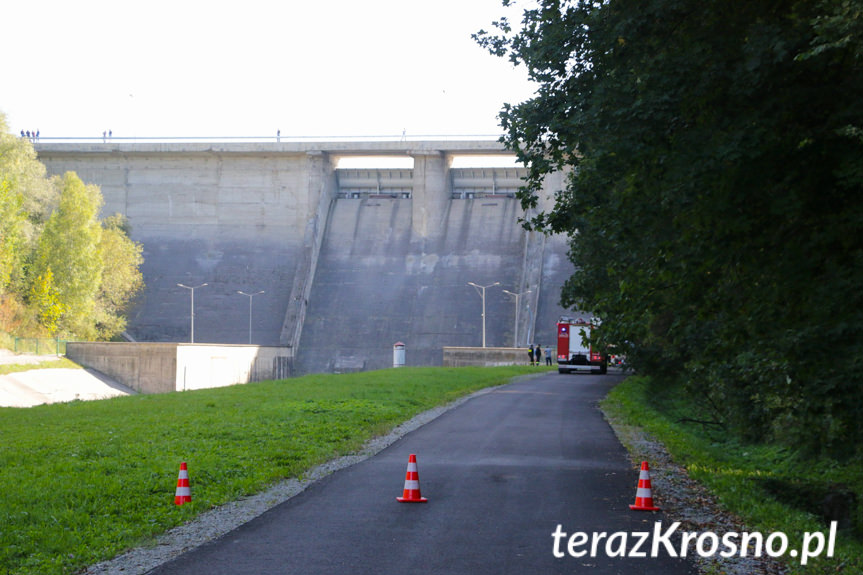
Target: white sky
(215,68)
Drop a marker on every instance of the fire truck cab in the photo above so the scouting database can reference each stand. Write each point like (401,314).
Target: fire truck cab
(572,353)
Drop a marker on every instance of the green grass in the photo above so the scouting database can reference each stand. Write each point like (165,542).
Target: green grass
(59,363)
(83,481)
(740,475)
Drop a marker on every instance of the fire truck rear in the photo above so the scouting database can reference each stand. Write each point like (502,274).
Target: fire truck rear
(572,353)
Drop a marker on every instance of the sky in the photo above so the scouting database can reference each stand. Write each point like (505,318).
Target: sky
(214,68)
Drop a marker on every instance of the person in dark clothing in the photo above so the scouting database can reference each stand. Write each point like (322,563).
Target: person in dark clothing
(537,353)
(530,354)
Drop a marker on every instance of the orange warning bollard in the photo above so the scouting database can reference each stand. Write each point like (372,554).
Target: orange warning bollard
(412,484)
(644,494)
(184,492)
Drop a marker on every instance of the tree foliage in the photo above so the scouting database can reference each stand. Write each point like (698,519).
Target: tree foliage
(11,233)
(118,288)
(715,160)
(70,247)
(45,296)
(26,197)
(76,275)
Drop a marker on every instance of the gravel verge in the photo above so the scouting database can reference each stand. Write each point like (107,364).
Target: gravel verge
(683,499)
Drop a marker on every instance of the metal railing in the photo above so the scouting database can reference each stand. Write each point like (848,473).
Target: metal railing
(37,346)
(267,139)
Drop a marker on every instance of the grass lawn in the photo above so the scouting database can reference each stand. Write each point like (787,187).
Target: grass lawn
(769,487)
(59,363)
(83,481)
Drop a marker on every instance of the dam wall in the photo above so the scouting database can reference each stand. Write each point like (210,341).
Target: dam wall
(349,261)
(233,220)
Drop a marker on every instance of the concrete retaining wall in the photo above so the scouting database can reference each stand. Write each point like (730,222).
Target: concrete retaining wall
(484,356)
(145,367)
(166,367)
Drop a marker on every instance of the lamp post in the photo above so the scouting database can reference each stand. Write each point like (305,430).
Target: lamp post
(481,290)
(192,289)
(250,295)
(516,295)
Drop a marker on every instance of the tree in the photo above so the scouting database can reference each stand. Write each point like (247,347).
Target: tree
(11,234)
(46,298)
(75,275)
(716,165)
(70,246)
(26,199)
(122,281)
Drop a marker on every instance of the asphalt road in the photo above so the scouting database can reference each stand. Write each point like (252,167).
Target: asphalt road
(500,472)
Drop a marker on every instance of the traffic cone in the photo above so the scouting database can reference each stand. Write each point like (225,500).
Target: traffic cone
(184,492)
(412,483)
(644,495)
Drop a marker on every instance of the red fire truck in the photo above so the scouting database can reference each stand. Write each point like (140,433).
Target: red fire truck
(572,353)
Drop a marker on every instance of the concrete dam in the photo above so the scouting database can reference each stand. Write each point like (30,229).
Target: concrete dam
(349,260)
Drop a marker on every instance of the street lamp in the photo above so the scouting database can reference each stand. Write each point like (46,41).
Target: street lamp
(516,295)
(192,289)
(250,295)
(481,290)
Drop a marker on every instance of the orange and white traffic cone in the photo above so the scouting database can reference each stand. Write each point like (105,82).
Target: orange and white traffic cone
(644,494)
(412,483)
(184,492)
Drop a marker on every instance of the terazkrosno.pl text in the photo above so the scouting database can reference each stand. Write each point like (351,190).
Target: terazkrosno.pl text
(704,544)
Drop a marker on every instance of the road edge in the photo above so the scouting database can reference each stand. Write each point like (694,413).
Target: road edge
(686,500)
(221,520)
